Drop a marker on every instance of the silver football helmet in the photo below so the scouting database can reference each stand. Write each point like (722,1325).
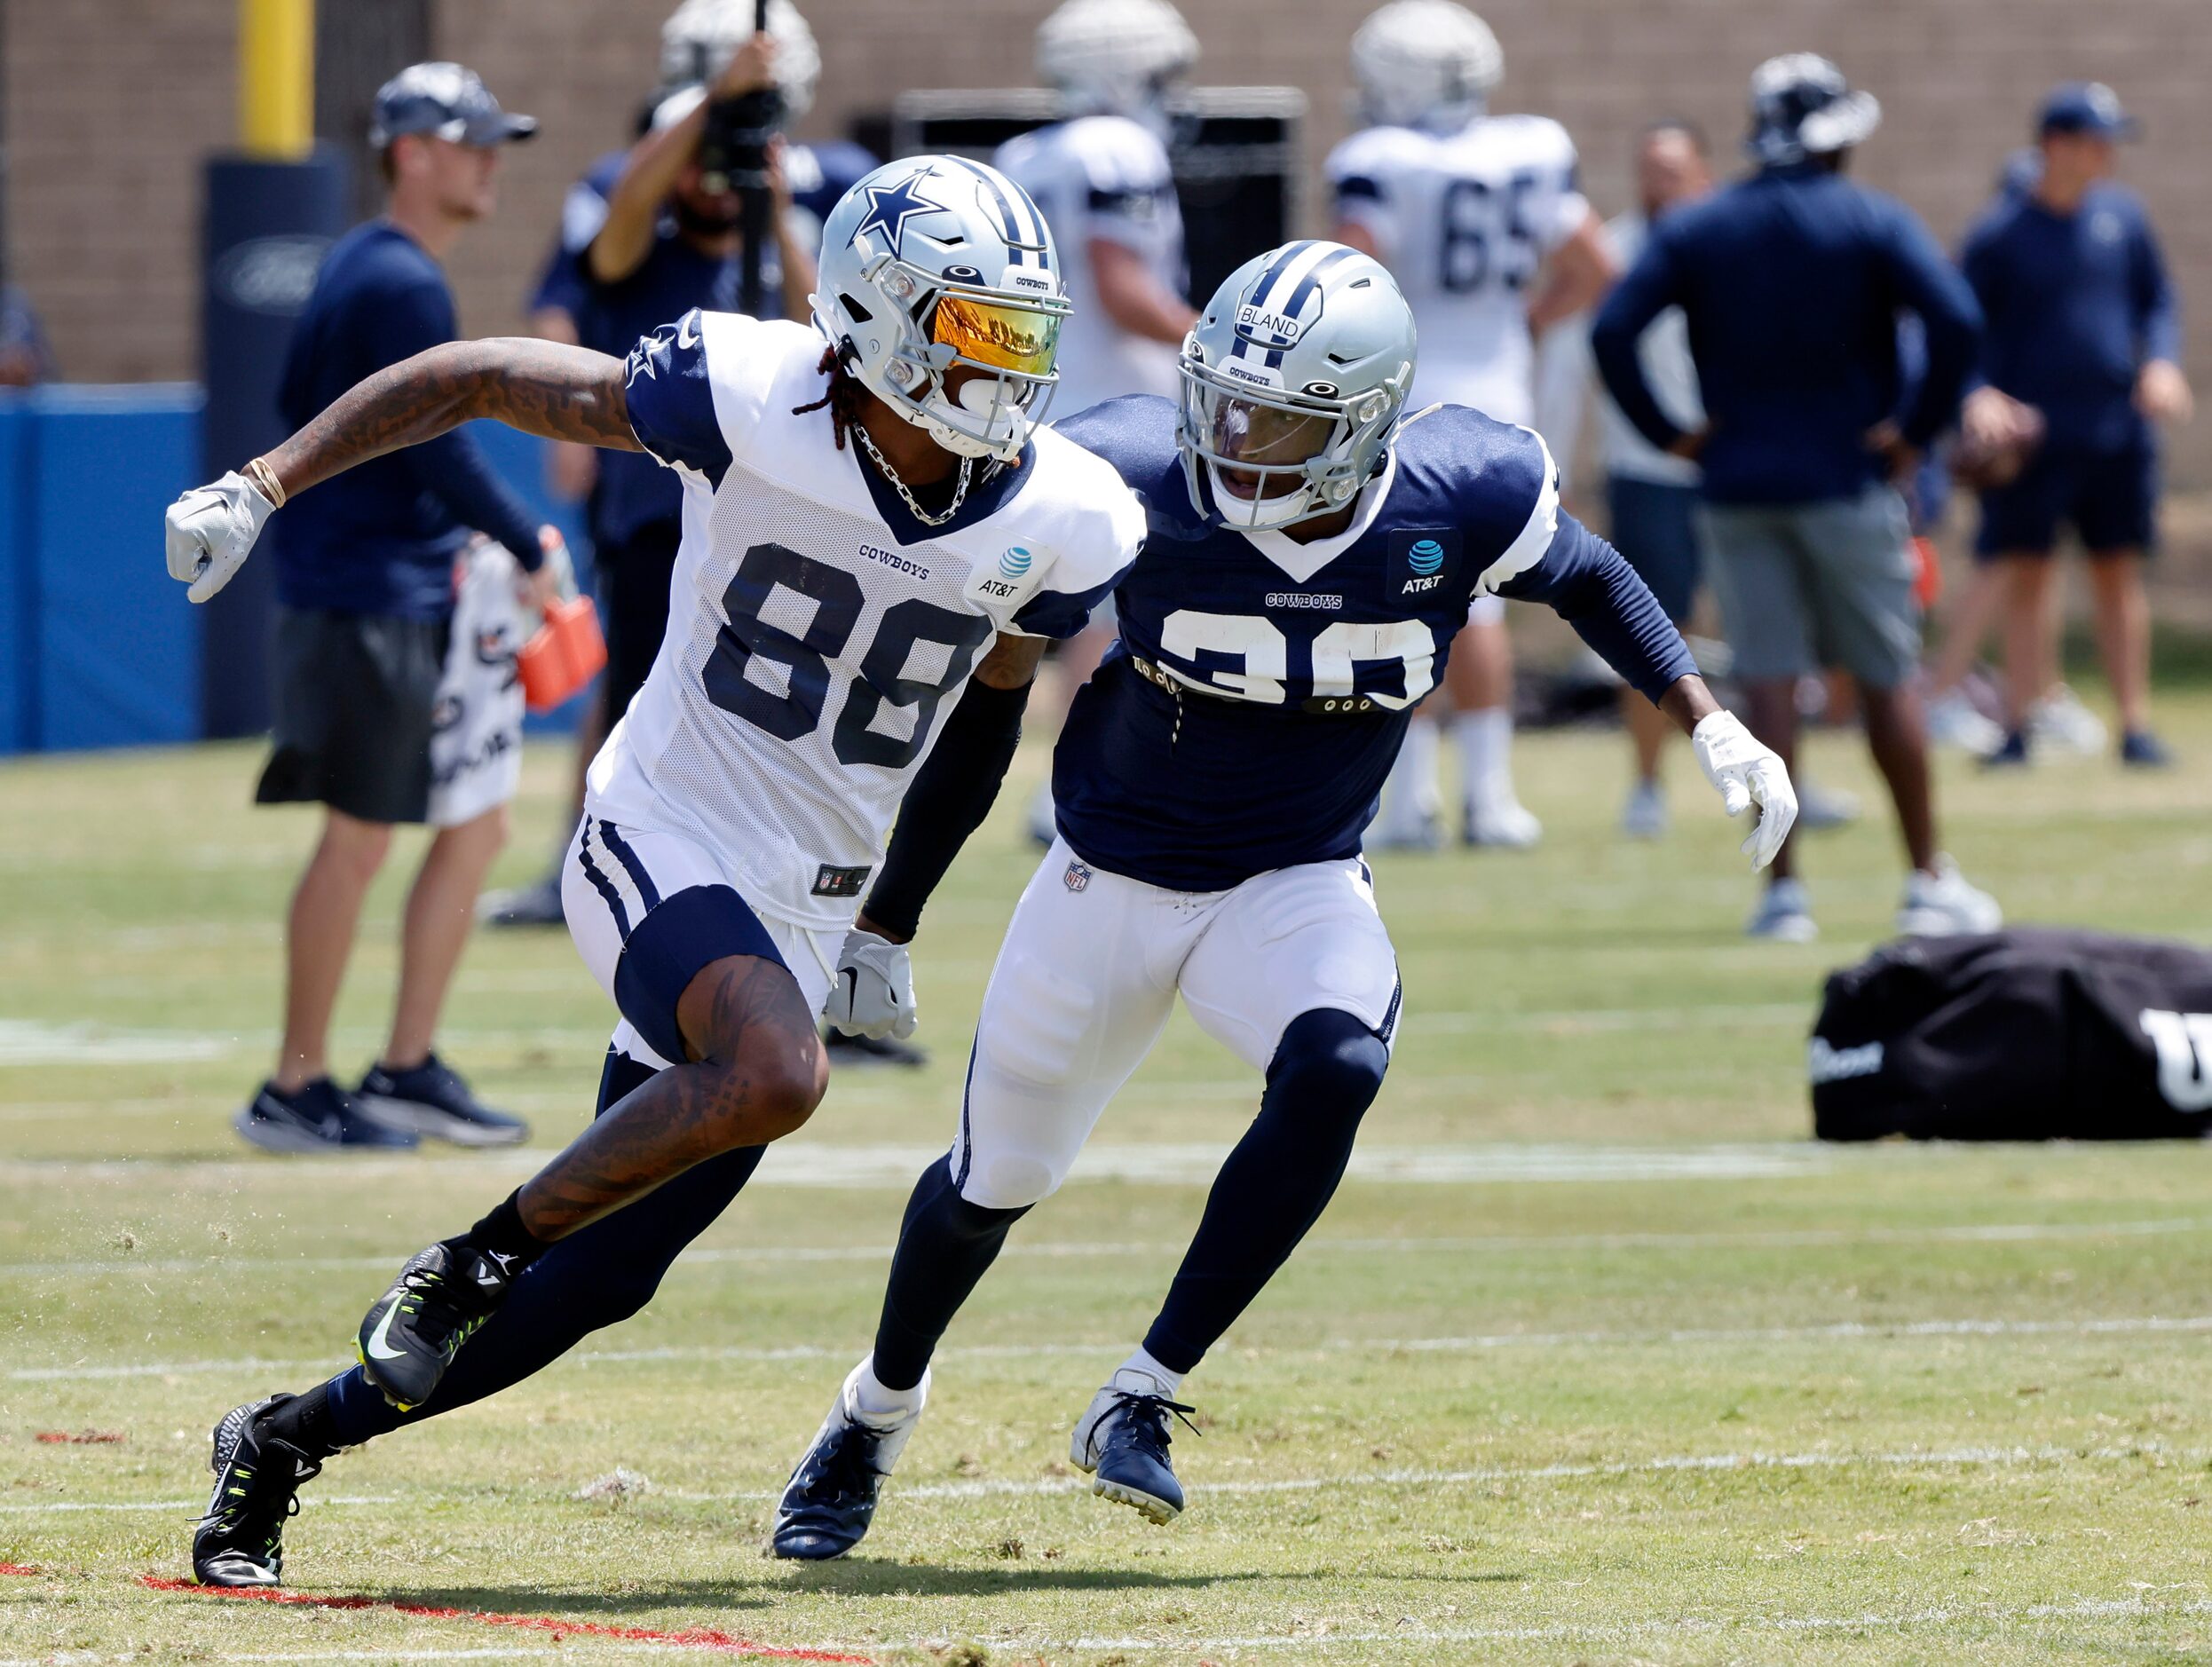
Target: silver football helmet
(1292,381)
(1425,63)
(701,36)
(934,266)
(1115,57)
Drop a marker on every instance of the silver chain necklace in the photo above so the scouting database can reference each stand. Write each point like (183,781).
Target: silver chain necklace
(960,489)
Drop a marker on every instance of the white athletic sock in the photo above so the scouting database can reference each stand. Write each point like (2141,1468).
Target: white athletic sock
(1486,754)
(874,1403)
(1142,1364)
(1410,797)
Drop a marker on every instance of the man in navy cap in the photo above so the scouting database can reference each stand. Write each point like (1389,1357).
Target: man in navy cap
(365,591)
(2085,335)
(1792,282)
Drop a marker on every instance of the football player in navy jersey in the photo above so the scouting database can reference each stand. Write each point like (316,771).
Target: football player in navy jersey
(1311,554)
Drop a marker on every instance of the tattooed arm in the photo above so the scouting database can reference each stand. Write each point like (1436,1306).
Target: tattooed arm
(548,388)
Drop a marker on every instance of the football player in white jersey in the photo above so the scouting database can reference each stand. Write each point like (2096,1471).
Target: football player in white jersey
(830,603)
(1102,179)
(1479,219)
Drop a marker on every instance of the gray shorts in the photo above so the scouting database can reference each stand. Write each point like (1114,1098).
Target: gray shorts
(1803,587)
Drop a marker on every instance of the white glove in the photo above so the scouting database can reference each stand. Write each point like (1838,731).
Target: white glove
(1746,771)
(874,994)
(210,530)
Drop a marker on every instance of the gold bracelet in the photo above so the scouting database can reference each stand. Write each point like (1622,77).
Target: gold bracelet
(265,482)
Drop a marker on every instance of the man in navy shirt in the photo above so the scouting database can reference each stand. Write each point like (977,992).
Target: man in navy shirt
(2084,329)
(364,588)
(1793,282)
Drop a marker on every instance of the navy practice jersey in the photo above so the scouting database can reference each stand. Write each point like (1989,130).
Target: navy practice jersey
(1294,667)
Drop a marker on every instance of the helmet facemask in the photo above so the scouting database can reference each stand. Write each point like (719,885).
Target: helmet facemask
(1269,458)
(1007,339)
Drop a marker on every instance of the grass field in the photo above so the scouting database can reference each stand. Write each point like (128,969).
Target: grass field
(1596,1360)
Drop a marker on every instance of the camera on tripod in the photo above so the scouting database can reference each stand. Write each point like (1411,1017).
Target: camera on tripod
(733,150)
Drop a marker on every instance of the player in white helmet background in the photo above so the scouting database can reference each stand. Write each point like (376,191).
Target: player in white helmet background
(1103,177)
(1480,218)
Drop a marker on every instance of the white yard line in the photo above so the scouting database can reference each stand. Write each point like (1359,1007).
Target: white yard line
(1602,1631)
(1494,1243)
(887,1166)
(1943,1458)
(1844,1330)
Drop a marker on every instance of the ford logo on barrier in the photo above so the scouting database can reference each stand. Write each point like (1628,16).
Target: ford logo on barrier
(269,274)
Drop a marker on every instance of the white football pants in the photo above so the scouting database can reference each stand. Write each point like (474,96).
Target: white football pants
(1088,974)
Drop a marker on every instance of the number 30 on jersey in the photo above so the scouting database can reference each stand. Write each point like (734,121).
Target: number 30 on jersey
(1248,657)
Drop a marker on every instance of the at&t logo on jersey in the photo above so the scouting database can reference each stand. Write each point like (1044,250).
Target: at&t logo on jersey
(1423,561)
(1014,561)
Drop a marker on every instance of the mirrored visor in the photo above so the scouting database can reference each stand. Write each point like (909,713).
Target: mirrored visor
(1005,337)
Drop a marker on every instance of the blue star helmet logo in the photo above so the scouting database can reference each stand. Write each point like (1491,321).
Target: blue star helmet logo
(891,207)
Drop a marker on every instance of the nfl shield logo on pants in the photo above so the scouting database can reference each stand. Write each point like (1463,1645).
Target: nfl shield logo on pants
(1077,877)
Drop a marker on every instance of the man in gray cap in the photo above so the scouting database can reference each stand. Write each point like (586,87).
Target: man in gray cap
(1792,281)
(365,588)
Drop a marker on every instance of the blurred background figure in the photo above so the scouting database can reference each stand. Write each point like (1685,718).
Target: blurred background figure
(24,358)
(1102,179)
(646,236)
(1479,219)
(366,591)
(2082,357)
(1651,495)
(1791,282)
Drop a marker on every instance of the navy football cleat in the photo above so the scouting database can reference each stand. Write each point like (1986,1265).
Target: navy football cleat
(412,1334)
(1121,1439)
(240,1542)
(831,1496)
(431,1099)
(320,1117)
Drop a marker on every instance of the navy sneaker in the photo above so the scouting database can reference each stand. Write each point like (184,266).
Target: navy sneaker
(2139,749)
(830,1498)
(320,1117)
(240,1542)
(413,1331)
(431,1099)
(1122,1441)
(847,1051)
(537,904)
(2012,755)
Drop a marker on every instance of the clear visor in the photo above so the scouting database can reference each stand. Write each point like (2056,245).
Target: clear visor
(1260,445)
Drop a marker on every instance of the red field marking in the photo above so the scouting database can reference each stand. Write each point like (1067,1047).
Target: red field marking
(82,1438)
(20,1569)
(690,1638)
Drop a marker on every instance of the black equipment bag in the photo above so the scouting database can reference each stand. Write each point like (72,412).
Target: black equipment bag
(2034,1034)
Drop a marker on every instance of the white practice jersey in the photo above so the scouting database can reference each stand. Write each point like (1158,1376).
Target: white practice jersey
(818,633)
(1103,177)
(1464,221)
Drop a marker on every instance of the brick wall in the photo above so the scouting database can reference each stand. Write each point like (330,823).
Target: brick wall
(111,103)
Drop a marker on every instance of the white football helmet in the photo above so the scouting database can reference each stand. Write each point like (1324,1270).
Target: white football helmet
(1292,381)
(935,264)
(1425,63)
(698,40)
(1114,56)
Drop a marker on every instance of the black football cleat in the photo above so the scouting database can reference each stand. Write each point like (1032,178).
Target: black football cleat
(240,1542)
(830,1498)
(1121,1439)
(412,1334)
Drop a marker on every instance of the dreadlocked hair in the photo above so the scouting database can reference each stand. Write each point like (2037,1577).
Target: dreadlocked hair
(842,396)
